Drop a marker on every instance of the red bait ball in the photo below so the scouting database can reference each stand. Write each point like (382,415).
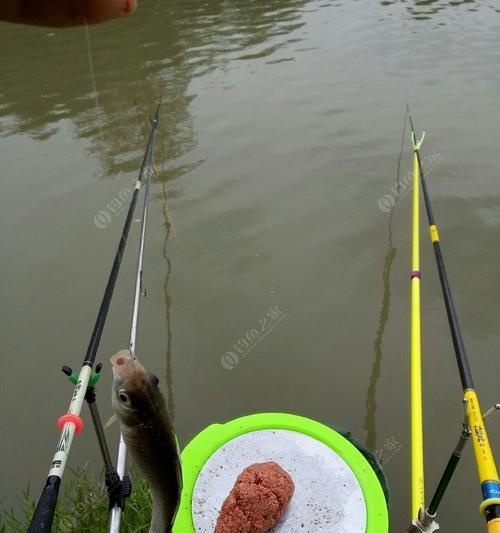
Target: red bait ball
(257,501)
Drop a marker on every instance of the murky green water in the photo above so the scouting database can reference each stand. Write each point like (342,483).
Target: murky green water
(276,158)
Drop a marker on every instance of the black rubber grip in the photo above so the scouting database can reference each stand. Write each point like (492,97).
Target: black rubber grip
(44,513)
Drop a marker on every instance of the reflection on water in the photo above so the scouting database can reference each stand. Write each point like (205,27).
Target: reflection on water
(107,95)
(168,306)
(160,50)
(390,254)
(163,177)
(426,9)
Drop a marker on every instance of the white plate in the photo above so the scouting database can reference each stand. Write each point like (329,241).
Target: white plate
(327,499)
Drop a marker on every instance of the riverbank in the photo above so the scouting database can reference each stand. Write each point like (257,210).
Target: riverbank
(83,507)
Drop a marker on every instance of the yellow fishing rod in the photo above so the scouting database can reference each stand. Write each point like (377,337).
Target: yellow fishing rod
(488,475)
(417,439)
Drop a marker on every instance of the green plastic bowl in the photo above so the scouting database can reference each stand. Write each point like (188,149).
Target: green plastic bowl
(206,443)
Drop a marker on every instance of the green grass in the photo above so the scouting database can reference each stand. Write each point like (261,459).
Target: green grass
(83,506)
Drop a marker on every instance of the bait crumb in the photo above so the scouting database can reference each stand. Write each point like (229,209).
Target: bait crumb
(257,501)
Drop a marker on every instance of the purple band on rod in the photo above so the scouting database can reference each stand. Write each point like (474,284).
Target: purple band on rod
(415,274)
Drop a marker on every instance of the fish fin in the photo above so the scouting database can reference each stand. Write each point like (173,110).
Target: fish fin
(110,422)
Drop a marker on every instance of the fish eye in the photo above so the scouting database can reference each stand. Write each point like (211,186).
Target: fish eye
(124,397)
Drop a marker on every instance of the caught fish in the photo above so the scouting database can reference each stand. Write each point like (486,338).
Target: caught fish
(148,433)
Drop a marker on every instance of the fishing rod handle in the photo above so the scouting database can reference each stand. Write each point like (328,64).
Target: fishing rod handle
(44,513)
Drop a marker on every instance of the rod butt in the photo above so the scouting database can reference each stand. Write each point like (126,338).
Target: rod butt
(44,513)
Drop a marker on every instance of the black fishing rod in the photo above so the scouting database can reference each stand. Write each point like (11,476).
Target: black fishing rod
(71,423)
(488,475)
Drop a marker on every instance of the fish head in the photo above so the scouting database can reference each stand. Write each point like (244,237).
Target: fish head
(135,395)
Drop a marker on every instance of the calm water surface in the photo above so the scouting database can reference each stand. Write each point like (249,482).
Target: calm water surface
(276,159)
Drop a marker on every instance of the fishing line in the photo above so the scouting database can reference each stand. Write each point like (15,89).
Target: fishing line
(111,194)
(400,158)
(99,113)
